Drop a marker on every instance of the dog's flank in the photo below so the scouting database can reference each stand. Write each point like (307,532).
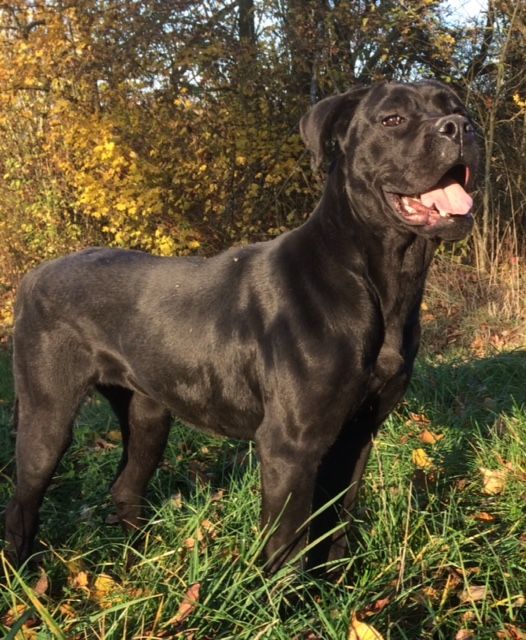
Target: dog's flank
(304,343)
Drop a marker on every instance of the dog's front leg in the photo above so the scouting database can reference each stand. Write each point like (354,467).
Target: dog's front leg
(288,474)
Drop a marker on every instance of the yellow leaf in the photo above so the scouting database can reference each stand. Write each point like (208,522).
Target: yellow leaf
(114,435)
(494,482)
(421,459)
(104,587)
(361,631)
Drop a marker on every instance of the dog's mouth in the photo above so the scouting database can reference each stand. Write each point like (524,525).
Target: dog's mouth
(445,200)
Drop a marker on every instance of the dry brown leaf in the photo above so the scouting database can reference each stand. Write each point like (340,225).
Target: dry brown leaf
(187,606)
(381,604)
(431,593)
(375,608)
(176,501)
(421,459)
(189,543)
(42,584)
(493,481)
(79,581)
(361,631)
(209,528)
(13,614)
(428,437)
(464,634)
(101,443)
(419,417)
(484,516)
(514,633)
(67,611)
(474,593)
(454,579)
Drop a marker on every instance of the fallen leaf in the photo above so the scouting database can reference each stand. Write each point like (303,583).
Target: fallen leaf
(218,495)
(421,459)
(67,611)
(454,579)
(209,528)
(101,443)
(176,501)
(13,614)
(512,633)
(115,435)
(493,481)
(187,606)
(79,580)
(464,634)
(381,604)
(361,631)
(419,417)
(431,593)
(42,584)
(474,593)
(428,437)
(375,608)
(484,516)
(104,590)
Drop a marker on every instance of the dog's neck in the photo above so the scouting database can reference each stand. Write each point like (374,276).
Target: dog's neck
(394,260)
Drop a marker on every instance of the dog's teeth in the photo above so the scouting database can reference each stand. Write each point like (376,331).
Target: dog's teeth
(444,214)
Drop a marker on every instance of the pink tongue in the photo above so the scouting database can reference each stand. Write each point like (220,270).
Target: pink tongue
(449,197)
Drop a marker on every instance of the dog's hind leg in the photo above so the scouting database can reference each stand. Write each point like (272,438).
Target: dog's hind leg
(119,399)
(145,425)
(44,429)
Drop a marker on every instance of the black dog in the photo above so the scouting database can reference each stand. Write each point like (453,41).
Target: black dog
(303,344)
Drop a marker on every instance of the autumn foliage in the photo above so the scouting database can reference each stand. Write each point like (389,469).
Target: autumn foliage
(171,125)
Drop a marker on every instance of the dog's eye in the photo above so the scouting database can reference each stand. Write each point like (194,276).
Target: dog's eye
(393,120)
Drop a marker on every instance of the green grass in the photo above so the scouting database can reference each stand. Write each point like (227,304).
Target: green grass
(421,546)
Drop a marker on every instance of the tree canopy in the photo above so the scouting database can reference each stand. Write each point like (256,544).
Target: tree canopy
(172,125)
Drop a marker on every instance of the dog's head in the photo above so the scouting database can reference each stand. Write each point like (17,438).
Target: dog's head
(408,150)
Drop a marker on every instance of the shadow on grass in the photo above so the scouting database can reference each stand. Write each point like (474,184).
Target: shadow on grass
(470,397)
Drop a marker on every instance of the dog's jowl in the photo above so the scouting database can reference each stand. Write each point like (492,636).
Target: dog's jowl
(303,344)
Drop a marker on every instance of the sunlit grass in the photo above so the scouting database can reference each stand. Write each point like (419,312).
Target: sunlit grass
(434,553)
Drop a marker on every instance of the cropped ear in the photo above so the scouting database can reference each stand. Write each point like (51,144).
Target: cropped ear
(327,121)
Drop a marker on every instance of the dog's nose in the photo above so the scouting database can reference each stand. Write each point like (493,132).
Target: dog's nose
(455,127)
